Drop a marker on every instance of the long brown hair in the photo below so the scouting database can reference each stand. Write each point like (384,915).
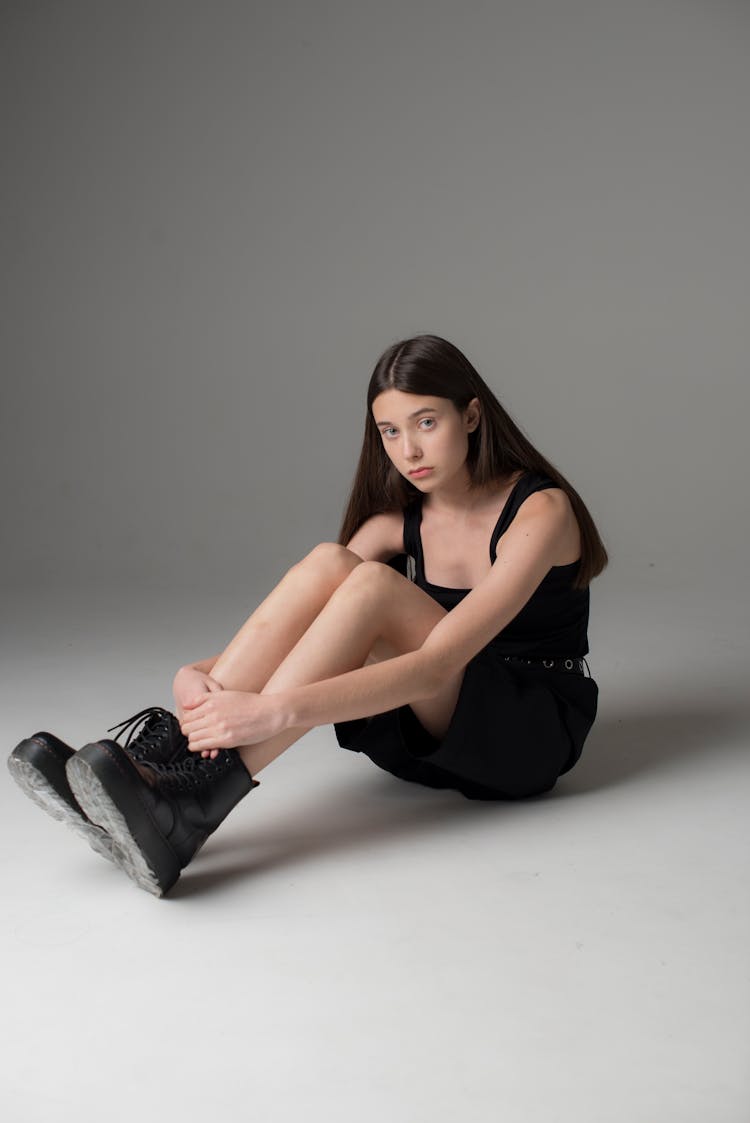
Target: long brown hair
(429,365)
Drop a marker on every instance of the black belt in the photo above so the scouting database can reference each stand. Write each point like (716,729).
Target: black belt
(572,666)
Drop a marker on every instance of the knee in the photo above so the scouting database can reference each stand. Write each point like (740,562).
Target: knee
(335,560)
(371,576)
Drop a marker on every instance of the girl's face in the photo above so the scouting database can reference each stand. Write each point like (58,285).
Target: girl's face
(421,432)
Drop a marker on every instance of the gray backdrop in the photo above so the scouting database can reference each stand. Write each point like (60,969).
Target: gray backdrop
(215,216)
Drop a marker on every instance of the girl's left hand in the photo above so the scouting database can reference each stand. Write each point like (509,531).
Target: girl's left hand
(231,718)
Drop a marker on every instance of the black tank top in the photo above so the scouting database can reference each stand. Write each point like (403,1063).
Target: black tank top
(552,623)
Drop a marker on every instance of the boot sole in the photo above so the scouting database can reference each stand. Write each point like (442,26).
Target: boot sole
(38,788)
(95,777)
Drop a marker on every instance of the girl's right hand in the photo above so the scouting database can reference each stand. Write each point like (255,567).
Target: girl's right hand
(189,686)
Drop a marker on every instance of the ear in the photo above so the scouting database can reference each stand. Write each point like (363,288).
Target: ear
(472,414)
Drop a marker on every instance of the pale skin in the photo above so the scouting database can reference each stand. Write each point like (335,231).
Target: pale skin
(343,635)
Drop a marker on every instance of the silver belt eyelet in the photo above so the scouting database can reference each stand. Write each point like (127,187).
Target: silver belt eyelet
(569,664)
(548,662)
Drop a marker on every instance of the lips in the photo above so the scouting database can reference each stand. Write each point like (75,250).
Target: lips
(417,471)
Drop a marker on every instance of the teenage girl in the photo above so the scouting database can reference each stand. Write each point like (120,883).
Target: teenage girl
(442,635)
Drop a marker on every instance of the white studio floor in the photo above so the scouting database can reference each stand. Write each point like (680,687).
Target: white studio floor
(352,947)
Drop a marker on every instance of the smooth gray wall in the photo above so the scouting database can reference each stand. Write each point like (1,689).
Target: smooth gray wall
(215,216)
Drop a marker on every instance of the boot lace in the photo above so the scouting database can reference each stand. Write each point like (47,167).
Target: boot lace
(152,734)
(190,772)
(154,739)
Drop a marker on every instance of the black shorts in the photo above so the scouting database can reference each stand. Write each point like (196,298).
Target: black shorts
(516,728)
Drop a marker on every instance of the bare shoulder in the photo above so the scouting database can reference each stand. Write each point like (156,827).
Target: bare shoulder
(552,499)
(380,537)
(552,506)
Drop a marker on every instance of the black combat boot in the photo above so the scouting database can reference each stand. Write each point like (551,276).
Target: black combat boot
(37,764)
(157,813)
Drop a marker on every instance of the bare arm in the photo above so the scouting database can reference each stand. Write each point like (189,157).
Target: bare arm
(525,555)
(526,552)
(364,691)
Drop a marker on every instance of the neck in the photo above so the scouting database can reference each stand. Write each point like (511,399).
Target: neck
(463,500)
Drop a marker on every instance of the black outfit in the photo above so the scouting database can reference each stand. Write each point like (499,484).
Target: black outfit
(517,726)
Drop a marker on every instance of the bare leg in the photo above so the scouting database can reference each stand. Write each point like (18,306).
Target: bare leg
(268,636)
(375,613)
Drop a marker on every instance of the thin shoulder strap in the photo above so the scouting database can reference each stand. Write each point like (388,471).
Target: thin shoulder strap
(526,486)
(412,518)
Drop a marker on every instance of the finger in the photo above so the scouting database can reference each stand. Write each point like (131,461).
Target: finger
(202,744)
(193,724)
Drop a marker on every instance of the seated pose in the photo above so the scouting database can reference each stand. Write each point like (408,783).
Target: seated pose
(442,635)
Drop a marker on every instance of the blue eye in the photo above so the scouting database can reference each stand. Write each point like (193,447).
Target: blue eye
(390,428)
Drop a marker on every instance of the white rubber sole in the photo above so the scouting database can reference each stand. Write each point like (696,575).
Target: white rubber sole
(38,788)
(96,802)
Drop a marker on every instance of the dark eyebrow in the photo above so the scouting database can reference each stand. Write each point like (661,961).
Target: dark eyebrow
(424,409)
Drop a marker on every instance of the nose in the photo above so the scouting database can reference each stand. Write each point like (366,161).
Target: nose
(411,448)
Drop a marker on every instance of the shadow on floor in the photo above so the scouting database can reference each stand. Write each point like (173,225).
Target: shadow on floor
(657,737)
(381,807)
(356,815)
